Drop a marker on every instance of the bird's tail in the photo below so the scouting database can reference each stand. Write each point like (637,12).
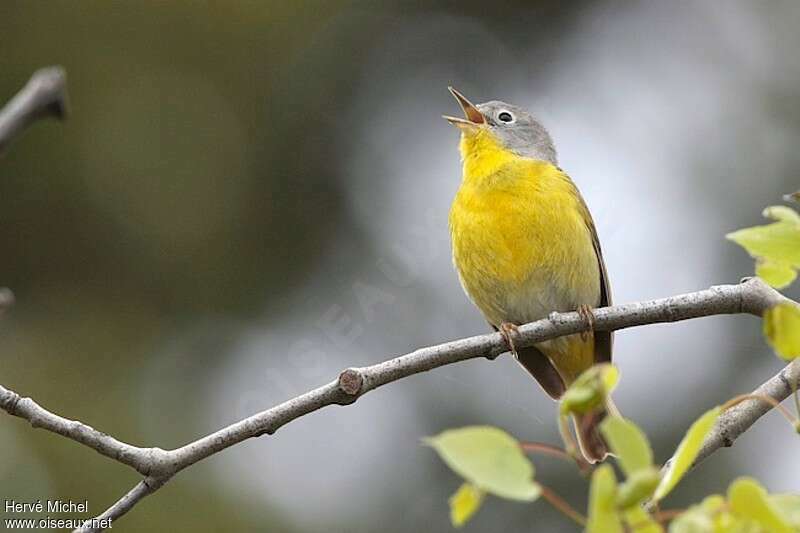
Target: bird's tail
(587,429)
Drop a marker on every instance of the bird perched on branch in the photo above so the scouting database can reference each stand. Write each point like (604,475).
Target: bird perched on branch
(525,245)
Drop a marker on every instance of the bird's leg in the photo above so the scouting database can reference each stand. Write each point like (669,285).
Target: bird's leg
(586,313)
(507,329)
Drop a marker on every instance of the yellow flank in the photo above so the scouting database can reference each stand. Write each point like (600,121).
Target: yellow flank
(522,244)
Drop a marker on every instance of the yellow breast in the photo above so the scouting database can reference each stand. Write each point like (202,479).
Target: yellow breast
(521,243)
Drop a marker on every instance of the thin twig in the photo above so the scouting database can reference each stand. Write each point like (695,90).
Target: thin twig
(45,94)
(760,397)
(123,505)
(558,453)
(561,505)
(141,459)
(741,412)
(738,419)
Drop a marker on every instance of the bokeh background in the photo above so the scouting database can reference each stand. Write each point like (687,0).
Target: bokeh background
(251,196)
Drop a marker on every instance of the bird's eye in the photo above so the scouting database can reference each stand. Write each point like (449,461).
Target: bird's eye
(505,116)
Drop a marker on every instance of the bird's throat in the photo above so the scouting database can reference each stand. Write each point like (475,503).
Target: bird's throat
(483,156)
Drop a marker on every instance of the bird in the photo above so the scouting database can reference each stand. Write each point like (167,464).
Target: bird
(524,245)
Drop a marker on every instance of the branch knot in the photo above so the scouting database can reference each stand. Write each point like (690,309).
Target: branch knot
(351,381)
(10,402)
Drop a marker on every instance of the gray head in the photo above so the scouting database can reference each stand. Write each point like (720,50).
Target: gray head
(512,126)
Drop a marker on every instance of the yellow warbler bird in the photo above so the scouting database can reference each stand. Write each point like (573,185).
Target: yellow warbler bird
(525,245)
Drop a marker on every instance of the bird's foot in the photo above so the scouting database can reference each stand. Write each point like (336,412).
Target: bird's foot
(587,314)
(508,330)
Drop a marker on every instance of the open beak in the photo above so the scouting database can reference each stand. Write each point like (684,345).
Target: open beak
(473,116)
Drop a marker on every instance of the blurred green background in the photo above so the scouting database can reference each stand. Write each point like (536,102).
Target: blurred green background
(250,196)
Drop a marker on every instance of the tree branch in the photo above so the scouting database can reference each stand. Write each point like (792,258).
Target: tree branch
(738,419)
(751,296)
(45,94)
(123,505)
(138,458)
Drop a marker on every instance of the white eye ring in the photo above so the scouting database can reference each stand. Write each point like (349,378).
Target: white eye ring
(506,117)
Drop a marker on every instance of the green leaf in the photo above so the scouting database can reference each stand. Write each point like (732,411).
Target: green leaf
(640,522)
(638,487)
(710,516)
(713,503)
(609,377)
(490,459)
(779,241)
(465,503)
(579,400)
(603,514)
(590,389)
(694,520)
(776,274)
(749,500)
(628,443)
(782,330)
(789,507)
(781,213)
(776,246)
(687,452)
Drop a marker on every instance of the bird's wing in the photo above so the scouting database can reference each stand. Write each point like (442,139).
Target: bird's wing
(603,340)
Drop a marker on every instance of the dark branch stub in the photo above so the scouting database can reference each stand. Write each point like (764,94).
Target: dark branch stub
(45,94)
(50,84)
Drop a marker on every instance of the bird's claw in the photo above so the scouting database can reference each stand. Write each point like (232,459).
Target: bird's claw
(507,329)
(586,313)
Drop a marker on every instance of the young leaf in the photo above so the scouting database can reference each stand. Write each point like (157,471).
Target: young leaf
(687,452)
(465,503)
(709,516)
(628,443)
(603,514)
(490,459)
(694,520)
(776,274)
(747,499)
(590,389)
(638,487)
(781,213)
(776,246)
(778,241)
(782,330)
(789,507)
(609,377)
(579,399)
(639,521)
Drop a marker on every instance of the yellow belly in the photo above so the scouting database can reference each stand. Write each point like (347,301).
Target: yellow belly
(523,249)
(520,245)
